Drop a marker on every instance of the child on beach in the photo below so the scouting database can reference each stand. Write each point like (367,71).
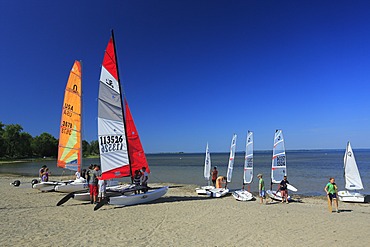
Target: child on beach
(45,175)
(284,190)
(331,190)
(144,179)
(214,175)
(261,188)
(102,189)
(137,179)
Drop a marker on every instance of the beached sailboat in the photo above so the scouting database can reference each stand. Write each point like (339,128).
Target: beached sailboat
(219,192)
(278,167)
(121,152)
(245,195)
(352,179)
(70,138)
(207,172)
(70,148)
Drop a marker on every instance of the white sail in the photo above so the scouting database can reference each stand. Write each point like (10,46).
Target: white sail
(111,129)
(207,164)
(248,163)
(351,173)
(231,159)
(278,169)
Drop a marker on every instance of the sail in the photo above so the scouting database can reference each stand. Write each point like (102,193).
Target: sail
(136,151)
(278,158)
(114,157)
(231,159)
(351,173)
(69,148)
(207,164)
(248,163)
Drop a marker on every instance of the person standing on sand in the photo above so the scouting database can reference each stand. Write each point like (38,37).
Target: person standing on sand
(220,181)
(137,180)
(284,189)
(93,184)
(102,189)
(214,175)
(331,190)
(144,179)
(261,188)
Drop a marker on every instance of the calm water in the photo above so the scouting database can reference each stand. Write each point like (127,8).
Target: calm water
(308,171)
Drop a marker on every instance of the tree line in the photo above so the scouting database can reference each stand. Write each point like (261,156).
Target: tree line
(15,144)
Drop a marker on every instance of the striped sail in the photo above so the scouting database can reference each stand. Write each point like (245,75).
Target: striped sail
(114,157)
(278,170)
(248,163)
(69,148)
(351,173)
(231,159)
(207,164)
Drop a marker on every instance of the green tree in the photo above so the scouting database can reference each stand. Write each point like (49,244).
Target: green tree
(85,148)
(45,145)
(12,139)
(2,141)
(25,145)
(94,148)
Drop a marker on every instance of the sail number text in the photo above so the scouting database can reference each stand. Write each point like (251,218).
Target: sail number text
(280,161)
(249,162)
(111,143)
(66,128)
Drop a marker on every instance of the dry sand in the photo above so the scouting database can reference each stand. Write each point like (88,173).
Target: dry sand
(180,218)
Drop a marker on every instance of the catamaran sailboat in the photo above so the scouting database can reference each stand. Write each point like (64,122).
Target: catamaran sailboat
(219,192)
(278,167)
(244,195)
(121,152)
(207,172)
(70,148)
(352,179)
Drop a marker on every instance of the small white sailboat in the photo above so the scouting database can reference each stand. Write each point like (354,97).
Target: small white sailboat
(219,192)
(245,195)
(352,179)
(207,172)
(278,167)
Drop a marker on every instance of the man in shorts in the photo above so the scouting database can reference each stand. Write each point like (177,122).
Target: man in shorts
(93,184)
(261,188)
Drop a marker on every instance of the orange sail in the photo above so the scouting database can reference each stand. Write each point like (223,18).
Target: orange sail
(70,148)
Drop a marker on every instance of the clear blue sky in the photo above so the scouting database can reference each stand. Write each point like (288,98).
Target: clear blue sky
(196,71)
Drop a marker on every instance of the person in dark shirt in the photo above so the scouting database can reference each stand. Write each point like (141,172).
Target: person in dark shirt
(284,190)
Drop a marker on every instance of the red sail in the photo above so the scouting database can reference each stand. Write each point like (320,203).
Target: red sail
(109,61)
(136,151)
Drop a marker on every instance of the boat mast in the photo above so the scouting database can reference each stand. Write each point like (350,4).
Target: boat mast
(123,113)
(81,130)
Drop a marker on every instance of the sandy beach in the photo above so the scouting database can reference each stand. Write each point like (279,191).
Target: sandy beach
(180,218)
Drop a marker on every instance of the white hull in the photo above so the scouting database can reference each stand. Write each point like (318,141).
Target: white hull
(275,195)
(110,191)
(138,198)
(71,187)
(78,185)
(204,189)
(48,186)
(218,192)
(242,195)
(351,196)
